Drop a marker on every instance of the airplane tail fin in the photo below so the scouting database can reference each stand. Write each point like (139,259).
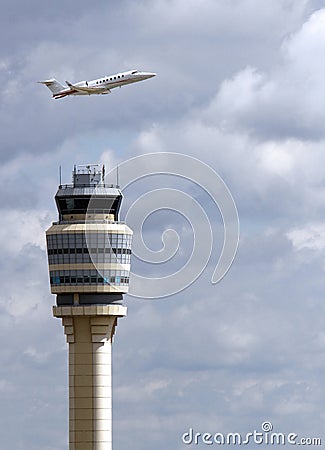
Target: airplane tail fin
(53,85)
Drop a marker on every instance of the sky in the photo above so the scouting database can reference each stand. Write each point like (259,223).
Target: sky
(239,86)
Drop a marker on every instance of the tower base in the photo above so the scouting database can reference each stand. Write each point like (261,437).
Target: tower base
(89,331)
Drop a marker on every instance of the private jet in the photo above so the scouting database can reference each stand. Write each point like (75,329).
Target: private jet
(99,86)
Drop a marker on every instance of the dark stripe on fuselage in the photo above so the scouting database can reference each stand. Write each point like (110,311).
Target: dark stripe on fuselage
(64,94)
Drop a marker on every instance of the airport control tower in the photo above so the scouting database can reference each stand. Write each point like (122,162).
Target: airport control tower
(89,254)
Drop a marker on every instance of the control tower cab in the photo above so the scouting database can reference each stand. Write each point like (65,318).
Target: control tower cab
(88,248)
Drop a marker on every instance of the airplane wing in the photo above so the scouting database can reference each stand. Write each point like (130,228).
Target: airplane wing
(88,90)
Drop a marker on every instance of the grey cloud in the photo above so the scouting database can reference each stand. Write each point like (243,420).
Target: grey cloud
(284,102)
(219,358)
(93,40)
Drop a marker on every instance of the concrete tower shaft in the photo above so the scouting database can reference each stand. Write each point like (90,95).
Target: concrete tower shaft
(89,254)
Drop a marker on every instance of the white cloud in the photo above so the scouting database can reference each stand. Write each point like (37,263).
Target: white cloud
(310,237)
(276,159)
(22,228)
(286,100)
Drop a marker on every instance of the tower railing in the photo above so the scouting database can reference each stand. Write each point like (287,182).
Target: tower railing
(94,185)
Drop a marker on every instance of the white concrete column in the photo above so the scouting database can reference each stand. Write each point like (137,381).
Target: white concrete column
(102,329)
(89,331)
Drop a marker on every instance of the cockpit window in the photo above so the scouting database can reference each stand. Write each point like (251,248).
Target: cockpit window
(134,71)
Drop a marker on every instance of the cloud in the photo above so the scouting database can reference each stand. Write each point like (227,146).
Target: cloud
(240,87)
(64,45)
(282,102)
(311,237)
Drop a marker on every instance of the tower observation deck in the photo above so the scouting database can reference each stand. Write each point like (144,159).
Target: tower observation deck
(88,248)
(89,254)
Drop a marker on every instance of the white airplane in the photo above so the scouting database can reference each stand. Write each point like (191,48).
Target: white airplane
(99,86)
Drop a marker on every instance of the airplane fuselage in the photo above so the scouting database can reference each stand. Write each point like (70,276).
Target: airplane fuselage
(98,86)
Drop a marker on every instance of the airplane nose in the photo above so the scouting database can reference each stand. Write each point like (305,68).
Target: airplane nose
(149,74)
